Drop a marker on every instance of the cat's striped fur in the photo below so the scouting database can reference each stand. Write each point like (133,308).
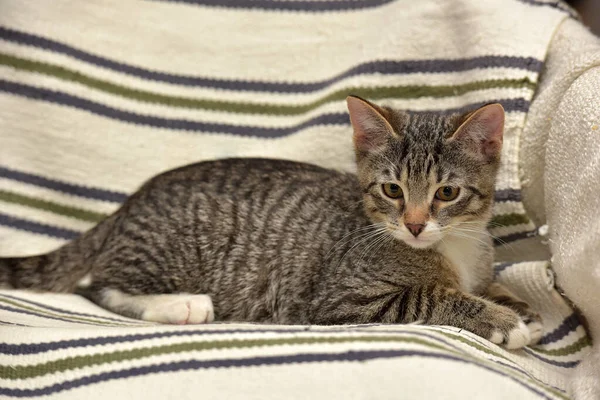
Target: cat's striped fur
(285,242)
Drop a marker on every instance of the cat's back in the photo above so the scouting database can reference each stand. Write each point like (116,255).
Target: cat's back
(248,191)
(235,169)
(253,226)
(240,179)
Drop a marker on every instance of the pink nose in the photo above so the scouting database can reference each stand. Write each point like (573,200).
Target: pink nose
(415,229)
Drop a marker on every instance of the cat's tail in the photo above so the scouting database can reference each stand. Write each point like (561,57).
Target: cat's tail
(63,270)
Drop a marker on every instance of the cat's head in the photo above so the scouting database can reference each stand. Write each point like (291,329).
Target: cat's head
(427,176)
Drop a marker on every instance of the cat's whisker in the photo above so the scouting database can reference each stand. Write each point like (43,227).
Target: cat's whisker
(372,248)
(365,250)
(465,234)
(372,245)
(503,243)
(488,233)
(365,238)
(387,238)
(469,237)
(361,229)
(497,239)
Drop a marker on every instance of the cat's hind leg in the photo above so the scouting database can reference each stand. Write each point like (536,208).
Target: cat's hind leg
(179,308)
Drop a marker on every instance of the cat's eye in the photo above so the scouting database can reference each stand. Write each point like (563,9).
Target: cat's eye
(392,190)
(447,193)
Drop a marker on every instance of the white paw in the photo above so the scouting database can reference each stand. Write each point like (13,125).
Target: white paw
(536,331)
(497,337)
(180,309)
(516,338)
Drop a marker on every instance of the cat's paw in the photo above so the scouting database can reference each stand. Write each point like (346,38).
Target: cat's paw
(504,297)
(505,328)
(180,309)
(514,338)
(536,328)
(529,318)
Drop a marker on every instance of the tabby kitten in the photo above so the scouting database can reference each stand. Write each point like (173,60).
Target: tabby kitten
(277,241)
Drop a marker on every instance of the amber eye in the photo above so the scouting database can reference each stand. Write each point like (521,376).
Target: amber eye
(392,190)
(447,193)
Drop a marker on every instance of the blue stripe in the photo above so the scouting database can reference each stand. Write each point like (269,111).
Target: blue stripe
(562,364)
(37,348)
(384,67)
(69,188)
(569,325)
(314,6)
(310,6)
(513,237)
(36,227)
(302,358)
(507,195)
(12,323)
(501,267)
(52,96)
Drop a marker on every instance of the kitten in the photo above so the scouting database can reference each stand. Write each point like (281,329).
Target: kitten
(277,241)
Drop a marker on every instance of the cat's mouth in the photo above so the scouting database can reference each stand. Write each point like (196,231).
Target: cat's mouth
(418,242)
(423,241)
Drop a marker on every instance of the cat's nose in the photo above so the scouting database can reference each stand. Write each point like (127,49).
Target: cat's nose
(415,229)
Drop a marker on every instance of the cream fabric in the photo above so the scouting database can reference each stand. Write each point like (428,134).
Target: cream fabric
(96,97)
(560,163)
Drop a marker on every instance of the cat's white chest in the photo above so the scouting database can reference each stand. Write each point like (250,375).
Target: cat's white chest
(464,253)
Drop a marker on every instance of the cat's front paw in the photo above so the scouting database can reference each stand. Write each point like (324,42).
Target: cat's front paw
(535,326)
(507,329)
(503,296)
(530,318)
(180,309)
(515,338)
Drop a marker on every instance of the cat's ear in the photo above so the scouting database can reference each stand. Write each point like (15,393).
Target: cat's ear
(481,133)
(372,129)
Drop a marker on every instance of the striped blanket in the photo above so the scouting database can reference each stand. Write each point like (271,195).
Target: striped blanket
(96,97)
(86,352)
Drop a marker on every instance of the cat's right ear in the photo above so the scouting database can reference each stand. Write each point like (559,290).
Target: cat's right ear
(482,131)
(372,130)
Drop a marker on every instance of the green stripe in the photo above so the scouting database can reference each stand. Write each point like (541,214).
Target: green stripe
(50,206)
(36,370)
(374,93)
(63,316)
(475,345)
(567,350)
(508,220)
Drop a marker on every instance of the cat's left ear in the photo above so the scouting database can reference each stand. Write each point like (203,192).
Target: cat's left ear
(372,128)
(482,132)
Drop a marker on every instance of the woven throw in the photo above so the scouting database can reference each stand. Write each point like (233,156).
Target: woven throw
(63,346)
(96,97)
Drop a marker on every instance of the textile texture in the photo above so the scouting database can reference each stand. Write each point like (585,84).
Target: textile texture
(96,97)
